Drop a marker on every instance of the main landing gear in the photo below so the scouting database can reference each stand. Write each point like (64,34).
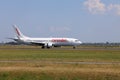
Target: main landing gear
(74,47)
(43,47)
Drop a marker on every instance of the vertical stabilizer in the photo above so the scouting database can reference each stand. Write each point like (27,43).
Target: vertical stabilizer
(18,32)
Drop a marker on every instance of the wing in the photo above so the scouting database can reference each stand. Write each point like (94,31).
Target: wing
(46,44)
(38,43)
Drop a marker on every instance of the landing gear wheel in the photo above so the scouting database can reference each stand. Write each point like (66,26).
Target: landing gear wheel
(43,47)
(48,47)
(74,47)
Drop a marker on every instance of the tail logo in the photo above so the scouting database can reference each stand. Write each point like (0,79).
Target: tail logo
(17,32)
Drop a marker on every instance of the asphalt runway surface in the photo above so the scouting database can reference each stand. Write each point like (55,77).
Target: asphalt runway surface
(57,62)
(65,48)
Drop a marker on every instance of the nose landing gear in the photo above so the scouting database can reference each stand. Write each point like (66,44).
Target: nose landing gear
(74,47)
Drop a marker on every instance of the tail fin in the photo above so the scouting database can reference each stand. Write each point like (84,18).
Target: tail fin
(18,32)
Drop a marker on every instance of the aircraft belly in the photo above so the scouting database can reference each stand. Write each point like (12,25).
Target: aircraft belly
(63,44)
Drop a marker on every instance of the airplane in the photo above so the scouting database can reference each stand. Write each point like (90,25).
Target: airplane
(44,42)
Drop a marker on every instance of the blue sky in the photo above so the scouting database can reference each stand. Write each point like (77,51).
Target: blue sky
(87,20)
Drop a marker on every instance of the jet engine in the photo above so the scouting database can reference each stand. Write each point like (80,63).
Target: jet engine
(48,45)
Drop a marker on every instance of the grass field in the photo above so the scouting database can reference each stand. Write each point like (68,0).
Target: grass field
(33,63)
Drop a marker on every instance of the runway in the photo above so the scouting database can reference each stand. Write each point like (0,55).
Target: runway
(58,62)
(103,48)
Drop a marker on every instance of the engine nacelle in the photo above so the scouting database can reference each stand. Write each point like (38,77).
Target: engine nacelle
(48,45)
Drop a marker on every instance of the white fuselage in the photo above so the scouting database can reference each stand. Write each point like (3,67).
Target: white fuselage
(53,41)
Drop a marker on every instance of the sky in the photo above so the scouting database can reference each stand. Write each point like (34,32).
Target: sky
(86,20)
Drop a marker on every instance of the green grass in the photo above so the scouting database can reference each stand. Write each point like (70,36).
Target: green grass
(69,55)
(39,64)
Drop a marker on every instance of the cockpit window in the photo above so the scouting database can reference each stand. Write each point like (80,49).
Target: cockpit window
(76,40)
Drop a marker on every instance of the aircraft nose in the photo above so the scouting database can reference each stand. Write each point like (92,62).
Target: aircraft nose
(79,42)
